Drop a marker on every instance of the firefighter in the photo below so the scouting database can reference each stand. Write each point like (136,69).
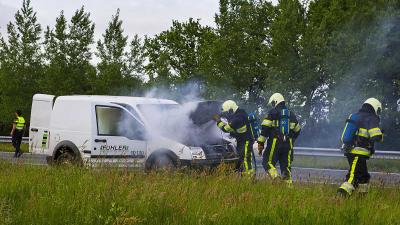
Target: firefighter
(238,127)
(17,133)
(279,129)
(360,149)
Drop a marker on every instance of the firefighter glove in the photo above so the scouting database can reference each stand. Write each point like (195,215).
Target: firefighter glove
(217,118)
(345,148)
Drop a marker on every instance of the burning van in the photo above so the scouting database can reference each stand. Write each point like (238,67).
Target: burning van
(128,131)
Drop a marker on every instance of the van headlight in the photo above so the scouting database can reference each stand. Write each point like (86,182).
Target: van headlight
(197,153)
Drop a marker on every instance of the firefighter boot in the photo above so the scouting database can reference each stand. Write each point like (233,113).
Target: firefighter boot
(273,173)
(345,190)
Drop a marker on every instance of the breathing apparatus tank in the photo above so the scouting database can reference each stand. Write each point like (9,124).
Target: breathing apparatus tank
(349,131)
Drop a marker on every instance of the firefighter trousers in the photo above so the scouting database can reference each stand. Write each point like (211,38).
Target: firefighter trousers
(278,151)
(358,174)
(245,152)
(358,171)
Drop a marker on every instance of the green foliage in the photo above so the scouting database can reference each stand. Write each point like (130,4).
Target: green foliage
(242,48)
(68,52)
(21,63)
(178,54)
(118,69)
(325,56)
(45,195)
(287,31)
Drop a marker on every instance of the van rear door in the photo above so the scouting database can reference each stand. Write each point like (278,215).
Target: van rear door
(39,133)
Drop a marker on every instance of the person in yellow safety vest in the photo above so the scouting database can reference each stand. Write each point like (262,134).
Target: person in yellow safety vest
(238,127)
(279,129)
(357,153)
(17,132)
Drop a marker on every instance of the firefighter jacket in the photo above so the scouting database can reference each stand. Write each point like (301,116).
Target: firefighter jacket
(368,132)
(270,125)
(237,126)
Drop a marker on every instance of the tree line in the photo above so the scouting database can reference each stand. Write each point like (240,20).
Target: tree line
(325,56)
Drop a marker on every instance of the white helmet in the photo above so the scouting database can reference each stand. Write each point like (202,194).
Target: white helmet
(376,104)
(228,106)
(276,99)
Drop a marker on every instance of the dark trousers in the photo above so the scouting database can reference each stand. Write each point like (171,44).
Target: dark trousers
(245,152)
(278,151)
(16,142)
(358,171)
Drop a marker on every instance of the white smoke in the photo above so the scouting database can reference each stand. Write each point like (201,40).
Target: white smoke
(176,121)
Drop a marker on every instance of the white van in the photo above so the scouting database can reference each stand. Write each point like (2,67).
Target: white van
(116,129)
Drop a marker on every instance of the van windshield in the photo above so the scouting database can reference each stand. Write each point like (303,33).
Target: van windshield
(148,110)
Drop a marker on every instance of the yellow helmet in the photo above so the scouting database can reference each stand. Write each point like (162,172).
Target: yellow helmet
(276,99)
(376,104)
(229,105)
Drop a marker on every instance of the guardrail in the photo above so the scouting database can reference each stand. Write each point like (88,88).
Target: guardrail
(334,152)
(306,151)
(7,139)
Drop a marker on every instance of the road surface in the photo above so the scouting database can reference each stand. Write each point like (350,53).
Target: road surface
(299,174)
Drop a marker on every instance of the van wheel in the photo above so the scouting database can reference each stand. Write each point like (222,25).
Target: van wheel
(163,162)
(66,157)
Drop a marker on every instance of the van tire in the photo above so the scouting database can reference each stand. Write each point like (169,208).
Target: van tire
(66,153)
(163,163)
(67,157)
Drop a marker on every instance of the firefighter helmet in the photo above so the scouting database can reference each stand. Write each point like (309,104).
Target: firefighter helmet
(229,106)
(276,99)
(376,104)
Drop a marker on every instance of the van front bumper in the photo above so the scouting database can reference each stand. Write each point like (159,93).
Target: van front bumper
(208,162)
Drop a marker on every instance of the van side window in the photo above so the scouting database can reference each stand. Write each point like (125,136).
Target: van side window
(113,121)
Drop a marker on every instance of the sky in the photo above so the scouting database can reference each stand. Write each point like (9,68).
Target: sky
(142,17)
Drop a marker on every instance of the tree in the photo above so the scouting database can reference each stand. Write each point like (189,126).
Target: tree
(241,50)
(111,52)
(135,66)
(56,53)
(385,82)
(287,31)
(117,66)
(176,55)
(68,52)
(21,63)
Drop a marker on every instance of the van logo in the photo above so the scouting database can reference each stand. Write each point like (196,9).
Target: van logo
(114,148)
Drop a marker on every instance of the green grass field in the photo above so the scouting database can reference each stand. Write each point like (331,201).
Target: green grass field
(52,195)
(7,147)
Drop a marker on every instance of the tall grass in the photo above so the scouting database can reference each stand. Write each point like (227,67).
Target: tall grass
(51,195)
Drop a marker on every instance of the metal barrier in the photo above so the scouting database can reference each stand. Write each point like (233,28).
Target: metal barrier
(7,139)
(306,151)
(334,152)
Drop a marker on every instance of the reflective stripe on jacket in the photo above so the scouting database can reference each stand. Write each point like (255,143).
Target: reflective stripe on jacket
(20,123)
(368,132)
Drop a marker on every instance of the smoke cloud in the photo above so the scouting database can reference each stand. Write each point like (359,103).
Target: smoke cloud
(189,122)
(354,62)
